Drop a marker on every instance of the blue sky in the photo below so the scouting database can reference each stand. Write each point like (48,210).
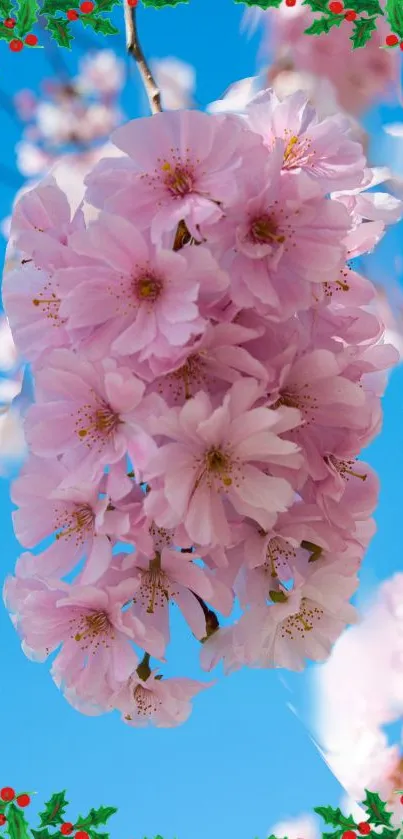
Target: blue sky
(243,761)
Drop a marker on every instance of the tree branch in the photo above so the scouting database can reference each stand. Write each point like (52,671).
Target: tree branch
(134,49)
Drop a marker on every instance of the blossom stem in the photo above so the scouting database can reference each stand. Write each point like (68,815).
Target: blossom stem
(134,49)
(143,670)
(212,622)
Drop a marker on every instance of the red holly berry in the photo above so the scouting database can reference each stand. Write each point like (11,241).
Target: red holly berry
(401,799)
(350,15)
(7,793)
(401,45)
(31,40)
(24,799)
(290,2)
(67,828)
(132,3)
(2,819)
(336,7)
(349,834)
(392,40)
(72,14)
(9,22)
(87,7)
(364,828)
(81,834)
(16,45)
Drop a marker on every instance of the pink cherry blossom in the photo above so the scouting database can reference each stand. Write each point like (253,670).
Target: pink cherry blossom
(164,703)
(323,149)
(88,413)
(140,301)
(94,632)
(215,451)
(183,164)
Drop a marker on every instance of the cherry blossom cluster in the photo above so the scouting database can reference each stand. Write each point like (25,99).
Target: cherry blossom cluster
(72,116)
(207,371)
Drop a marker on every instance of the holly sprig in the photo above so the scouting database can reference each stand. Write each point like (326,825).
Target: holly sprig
(19,17)
(54,825)
(363,14)
(53,822)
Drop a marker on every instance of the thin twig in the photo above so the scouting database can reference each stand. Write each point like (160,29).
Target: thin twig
(134,49)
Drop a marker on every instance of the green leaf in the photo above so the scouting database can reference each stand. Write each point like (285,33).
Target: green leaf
(278,596)
(330,815)
(16,825)
(106,5)
(376,808)
(96,817)
(6,35)
(51,7)
(337,834)
(55,807)
(99,24)
(95,835)
(317,5)
(27,15)
(324,24)
(394,13)
(262,4)
(159,4)
(371,7)
(315,550)
(5,8)
(362,32)
(42,834)
(59,30)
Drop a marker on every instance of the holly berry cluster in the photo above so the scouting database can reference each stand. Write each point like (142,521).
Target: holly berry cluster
(18,17)
(52,819)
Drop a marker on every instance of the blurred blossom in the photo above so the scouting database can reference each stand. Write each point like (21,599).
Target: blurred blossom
(101,72)
(73,117)
(176,81)
(359,77)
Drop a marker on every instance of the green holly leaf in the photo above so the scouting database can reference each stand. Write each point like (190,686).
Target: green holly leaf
(99,24)
(317,5)
(371,7)
(51,7)
(59,30)
(16,825)
(262,4)
(394,13)
(376,809)
(5,8)
(324,25)
(42,834)
(27,15)
(96,817)
(106,5)
(362,32)
(6,35)
(95,835)
(55,807)
(331,815)
(159,4)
